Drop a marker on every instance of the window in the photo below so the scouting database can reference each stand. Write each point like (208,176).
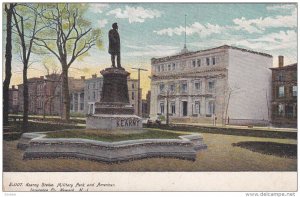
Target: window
(132,95)
(162,68)
(81,106)
(184,87)
(197,107)
(294,75)
(211,107)
(198,62)
(197,85)
(173,111)
(173,66)
(281,91)
(172,87)
(94,95)
(211,86)
(294,90)
(194,63)
(281,110)
(158,68)
(207,61)
(132,85)
(162,108)
(94,85)
(214,60)
(169,67)
(280,76)
(161,87)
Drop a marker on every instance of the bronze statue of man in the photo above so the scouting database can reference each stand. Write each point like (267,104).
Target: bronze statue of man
(114,45)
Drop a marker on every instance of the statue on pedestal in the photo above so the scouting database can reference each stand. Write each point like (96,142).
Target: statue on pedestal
(114,45)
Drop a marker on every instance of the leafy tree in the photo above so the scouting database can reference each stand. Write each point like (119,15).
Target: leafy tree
(69,37)
(27,25)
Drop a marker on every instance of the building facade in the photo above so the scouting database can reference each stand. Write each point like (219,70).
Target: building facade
(93,90)
(76,90)
(284,94)
(13,100)
(41,94)
(226,83)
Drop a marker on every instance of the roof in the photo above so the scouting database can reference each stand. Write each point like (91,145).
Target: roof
(290,66)
(153,60)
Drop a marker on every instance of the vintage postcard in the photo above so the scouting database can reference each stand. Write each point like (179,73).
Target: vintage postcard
(150,97)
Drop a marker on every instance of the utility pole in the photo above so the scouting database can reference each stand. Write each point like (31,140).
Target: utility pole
(139,91)
(167,120)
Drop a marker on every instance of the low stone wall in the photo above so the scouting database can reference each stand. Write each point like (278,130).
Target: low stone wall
(38,147)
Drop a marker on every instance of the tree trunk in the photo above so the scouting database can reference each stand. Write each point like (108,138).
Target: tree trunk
(25,98)
(8,57)
(66,96)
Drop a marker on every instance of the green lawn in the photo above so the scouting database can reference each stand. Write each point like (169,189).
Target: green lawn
(40,126)
(270,148)
(109,136)
(219,156)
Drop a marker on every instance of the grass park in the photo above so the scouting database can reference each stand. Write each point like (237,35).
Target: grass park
(232,150)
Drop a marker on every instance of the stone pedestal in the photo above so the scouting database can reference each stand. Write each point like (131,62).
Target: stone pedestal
(114,111)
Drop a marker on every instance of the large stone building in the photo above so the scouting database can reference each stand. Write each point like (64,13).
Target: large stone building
(41,94)
(93,89)
(76,90)
(13,99)
(228,83)
(284,96)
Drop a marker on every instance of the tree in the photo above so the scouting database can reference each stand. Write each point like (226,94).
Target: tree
(69,36)
(26,22)
(8,57)
(54,80)
(228,92)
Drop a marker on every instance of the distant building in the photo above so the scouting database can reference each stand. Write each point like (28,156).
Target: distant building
(13,100)
(146,105)
(93,90)
(41,94)
(76,91)
(225,82)
(284,97)
(92,93)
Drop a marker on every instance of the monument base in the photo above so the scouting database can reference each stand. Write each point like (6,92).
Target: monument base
(114,122)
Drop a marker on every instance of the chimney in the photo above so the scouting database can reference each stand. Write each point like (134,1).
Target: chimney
(82,77)
(13,87)
(94,76)
(41,77)
(280,61)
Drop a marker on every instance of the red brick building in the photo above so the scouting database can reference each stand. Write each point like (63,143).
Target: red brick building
(284,96)
(41,93)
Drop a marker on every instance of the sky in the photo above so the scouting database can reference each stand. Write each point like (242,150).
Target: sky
(150,30)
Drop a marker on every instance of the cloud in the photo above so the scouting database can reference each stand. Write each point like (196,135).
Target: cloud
(195,28)
(274,41)
(258,25)
(281,7)
(98,8)
(152,50)
(102,23)
(135,14)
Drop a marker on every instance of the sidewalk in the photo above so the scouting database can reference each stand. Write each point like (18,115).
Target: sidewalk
(241,127)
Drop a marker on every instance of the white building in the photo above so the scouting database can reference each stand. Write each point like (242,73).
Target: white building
(93,90)
(224,82)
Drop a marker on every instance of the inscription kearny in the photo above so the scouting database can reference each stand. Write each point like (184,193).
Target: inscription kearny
(127,123)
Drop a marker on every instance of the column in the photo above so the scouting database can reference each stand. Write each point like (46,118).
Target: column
(78,104)
(73,101)
(177,107)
